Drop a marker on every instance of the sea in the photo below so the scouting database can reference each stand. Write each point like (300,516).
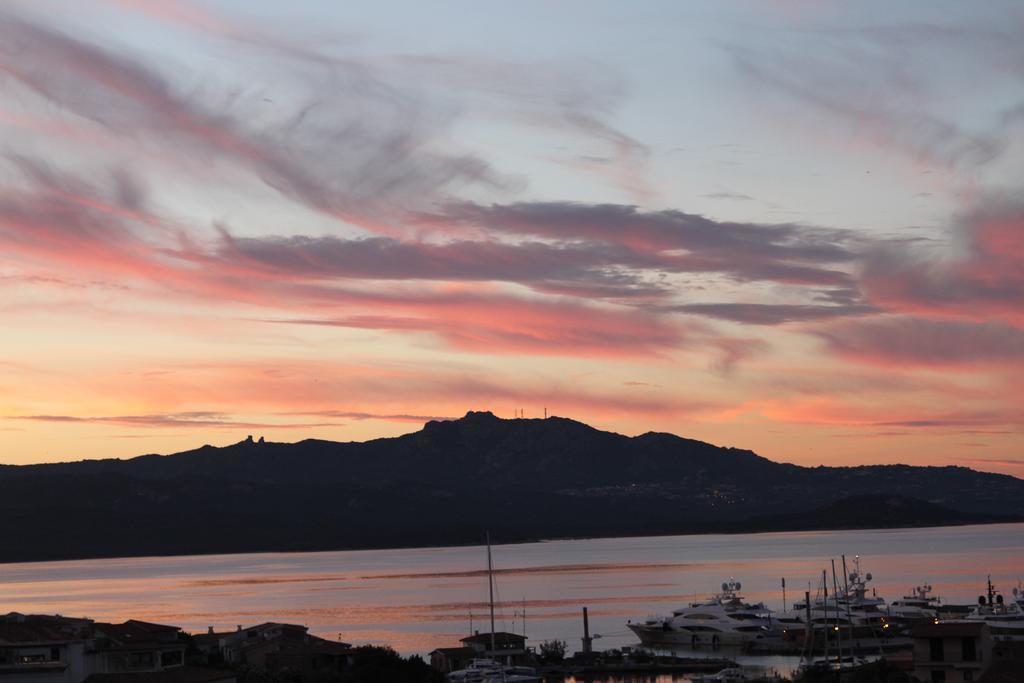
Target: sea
(419,599)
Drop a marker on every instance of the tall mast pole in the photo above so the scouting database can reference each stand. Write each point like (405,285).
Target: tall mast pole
(490,587)
(849,616)
(824,586)
(839,632)
(808,631)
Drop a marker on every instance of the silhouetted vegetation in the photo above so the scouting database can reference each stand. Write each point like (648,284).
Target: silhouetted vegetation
(384,665)
(371,664)
(552,651)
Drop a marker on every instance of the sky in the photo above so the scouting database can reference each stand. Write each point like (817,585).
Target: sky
(795,227)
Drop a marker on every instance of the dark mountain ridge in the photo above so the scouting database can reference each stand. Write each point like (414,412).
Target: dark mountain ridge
(447,483)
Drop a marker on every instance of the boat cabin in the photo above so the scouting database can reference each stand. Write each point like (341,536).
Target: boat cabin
(509,648)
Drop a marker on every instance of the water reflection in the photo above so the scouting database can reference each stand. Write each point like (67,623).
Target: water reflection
(418,599)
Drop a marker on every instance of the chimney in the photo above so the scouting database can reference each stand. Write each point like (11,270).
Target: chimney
(209,629)
(239,628)
(588,646)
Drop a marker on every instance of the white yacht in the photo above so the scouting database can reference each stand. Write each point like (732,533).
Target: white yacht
(737,674)
(723,676)
(1005,619)
(851,609)
(852,593)
(490,671)
(918,606)
(723,619)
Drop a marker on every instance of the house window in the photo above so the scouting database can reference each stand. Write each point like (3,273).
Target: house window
(970,650)
(138,660)
(968,676)
(938,677)
(54,654)
(170,658)
(935,648)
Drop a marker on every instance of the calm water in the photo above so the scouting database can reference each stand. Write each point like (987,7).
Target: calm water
(419,599)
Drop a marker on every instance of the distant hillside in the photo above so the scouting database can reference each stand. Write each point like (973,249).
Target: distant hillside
(447,483)
(881,511)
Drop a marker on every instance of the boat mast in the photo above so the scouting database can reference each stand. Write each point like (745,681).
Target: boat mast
(490,587)
(839,632)
(824,586)
(809,630)
(849,616)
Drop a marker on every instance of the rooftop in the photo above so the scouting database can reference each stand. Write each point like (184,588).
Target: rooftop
(24,629)
(949,629)
(134,633)
(501,638)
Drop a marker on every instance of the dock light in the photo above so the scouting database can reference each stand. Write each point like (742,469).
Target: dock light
(835,628)
(885,625)
(936,620)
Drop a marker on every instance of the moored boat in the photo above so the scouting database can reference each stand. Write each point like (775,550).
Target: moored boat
(1004,618)
(723,619)
(920,605)
(491,671)
(486,669)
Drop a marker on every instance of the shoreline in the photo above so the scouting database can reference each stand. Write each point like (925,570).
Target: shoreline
(518,541)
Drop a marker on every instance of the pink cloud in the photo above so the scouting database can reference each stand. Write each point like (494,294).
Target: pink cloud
(200,419)
(983,282)
(826,410)
(272,394)
(910,341)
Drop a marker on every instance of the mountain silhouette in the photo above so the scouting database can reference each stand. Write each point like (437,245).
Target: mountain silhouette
(520,479)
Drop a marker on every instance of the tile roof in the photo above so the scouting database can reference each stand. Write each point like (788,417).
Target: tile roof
(41,629)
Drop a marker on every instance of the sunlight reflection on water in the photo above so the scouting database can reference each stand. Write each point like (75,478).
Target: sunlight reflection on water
(419,599)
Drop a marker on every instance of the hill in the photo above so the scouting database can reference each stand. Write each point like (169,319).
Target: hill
(447,483)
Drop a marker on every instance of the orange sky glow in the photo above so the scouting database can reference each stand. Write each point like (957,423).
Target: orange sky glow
(216,221)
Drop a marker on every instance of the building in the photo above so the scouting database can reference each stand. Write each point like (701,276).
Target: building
(209,645)
(44,648)
(57,649)
(965,652)
(509,648)
(137,646)
(1007,662)
(275,647)
(248,646)
(448,659)
(313,656)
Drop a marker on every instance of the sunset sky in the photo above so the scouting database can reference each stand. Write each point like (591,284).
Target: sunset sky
(791,226)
